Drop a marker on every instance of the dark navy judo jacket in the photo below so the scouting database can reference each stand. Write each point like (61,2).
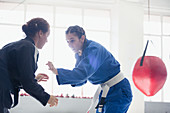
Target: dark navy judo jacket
(17,68)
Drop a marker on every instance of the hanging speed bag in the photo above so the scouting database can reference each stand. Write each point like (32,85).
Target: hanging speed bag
(149,77)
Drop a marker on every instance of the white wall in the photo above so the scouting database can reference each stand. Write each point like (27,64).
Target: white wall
(127,42)
(28,104)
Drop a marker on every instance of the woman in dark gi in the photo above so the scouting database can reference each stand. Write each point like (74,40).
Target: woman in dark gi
(18,63)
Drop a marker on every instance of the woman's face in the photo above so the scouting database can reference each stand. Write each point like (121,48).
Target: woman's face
(74,42)
(43,39)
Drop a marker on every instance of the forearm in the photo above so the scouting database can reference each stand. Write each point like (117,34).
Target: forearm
(52,68)
(37,91)
(70,76)
(55,71)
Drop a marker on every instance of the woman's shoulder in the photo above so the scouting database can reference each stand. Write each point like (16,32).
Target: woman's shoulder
(94,45)
(19,44)
(24,43)
(92,42)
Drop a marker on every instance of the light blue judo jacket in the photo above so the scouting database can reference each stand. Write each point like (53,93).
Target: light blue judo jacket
(97,65)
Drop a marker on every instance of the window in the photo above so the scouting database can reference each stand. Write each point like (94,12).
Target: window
(152,25)
(166,59)
(42,11)
(166,25)
(65,17)
(11,13)
(158,31)
(97,19)
(166,55)
(96,23)
(10,34)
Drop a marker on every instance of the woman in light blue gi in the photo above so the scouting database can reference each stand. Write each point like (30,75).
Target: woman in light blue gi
(97,65)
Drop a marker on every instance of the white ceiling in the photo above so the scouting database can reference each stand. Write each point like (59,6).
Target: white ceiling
(158,3)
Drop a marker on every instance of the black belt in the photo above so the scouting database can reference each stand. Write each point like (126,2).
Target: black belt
(16,94)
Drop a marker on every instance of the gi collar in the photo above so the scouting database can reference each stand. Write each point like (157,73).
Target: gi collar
(84,46)
(30,39)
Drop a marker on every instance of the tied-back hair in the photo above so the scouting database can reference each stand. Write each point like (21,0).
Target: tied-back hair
(79,31)
(35,25)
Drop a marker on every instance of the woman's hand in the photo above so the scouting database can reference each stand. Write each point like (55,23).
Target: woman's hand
(42,77)
(53,101)
(52,68)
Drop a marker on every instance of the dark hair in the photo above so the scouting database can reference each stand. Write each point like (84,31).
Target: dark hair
(79,31)
(35,25)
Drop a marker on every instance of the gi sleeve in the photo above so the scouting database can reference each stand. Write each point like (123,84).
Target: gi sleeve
(80,84)
(25,65)
(93,59)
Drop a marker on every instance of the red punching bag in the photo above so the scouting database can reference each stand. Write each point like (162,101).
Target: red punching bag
(149,74)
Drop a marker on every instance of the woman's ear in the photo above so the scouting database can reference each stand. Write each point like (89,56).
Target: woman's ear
(82,38)
(40,33)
